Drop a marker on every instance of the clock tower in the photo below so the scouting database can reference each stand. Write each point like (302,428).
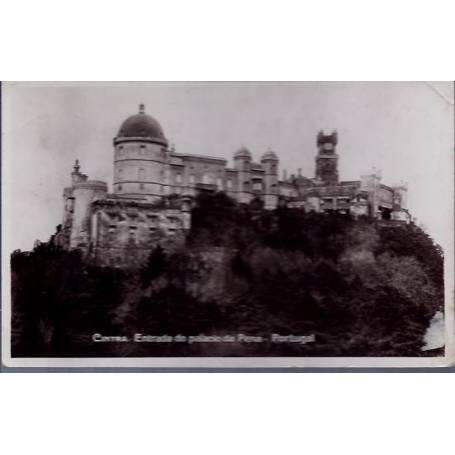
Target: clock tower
(327,159)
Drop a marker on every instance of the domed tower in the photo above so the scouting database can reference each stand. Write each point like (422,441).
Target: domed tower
(327,159)
(242,164)
(140,158)
(269,162)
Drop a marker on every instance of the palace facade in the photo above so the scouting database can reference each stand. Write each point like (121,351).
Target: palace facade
(154,187)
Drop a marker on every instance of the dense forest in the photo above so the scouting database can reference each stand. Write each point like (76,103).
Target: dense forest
(361,288)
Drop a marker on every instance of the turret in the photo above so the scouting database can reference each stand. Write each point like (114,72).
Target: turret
(76,175)
(400,194)
(242,163)
(84,194)
(327,159)
(370,184)
(269,163)
(77,198)
(400,208)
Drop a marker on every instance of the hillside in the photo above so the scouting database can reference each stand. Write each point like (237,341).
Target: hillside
(359,287)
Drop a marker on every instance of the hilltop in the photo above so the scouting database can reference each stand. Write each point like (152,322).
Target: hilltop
(360,287)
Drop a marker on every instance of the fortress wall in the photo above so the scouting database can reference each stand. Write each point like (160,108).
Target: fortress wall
(125,236)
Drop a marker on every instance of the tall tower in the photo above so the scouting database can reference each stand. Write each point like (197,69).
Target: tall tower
(327,159)
(242,164)
(140,158)
(269,162)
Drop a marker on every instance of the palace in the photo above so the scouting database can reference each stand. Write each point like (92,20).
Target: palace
(154,187)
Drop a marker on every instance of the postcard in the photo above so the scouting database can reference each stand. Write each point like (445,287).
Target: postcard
(227,224)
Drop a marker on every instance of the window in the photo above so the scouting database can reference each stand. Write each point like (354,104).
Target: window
(70,204)
(119,186)
(219,183)
(120,173)
(257,185)
(229,183)
(111,233)
(141,186)
(141,174)
(178,178)
(133,230)
(142,149)
(192,179)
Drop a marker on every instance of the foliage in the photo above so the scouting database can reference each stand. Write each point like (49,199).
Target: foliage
(360,288)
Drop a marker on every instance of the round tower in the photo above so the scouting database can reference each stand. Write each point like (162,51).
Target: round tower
(140,158)
(84,193)
(269,163)
(242,164)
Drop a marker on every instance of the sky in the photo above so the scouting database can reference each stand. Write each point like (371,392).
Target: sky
(404,129)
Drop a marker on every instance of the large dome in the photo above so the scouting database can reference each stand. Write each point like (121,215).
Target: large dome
(141,125)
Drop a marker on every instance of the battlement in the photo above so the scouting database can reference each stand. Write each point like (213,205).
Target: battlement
(91,185)
(327,138)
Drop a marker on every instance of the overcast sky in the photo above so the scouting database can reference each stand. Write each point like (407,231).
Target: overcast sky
(404,129)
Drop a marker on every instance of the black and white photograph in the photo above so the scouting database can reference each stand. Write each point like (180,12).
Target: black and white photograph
(227,227)
(227,223)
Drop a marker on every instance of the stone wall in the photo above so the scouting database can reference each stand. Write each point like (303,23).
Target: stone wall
(123,233)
